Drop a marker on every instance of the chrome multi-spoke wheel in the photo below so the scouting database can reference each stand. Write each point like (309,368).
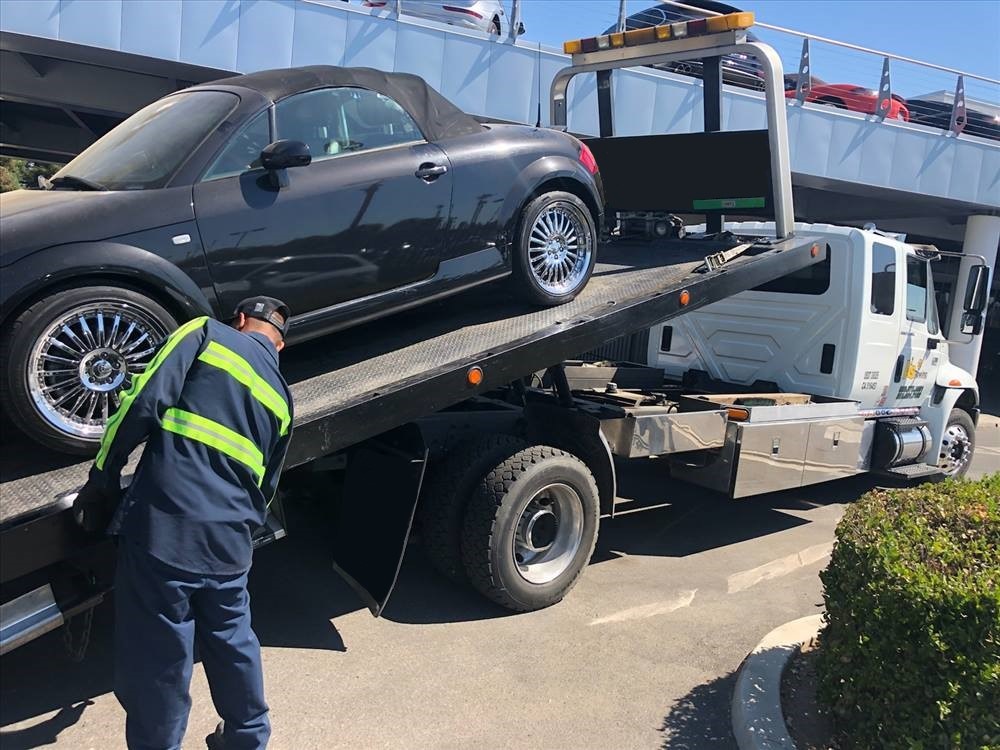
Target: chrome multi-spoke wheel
(956,450)
(548,534)
(84,358)
(556,248)
(560,245)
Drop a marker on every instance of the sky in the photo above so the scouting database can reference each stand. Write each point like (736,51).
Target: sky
(960,34)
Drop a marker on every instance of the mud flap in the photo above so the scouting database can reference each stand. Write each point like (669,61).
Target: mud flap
(381,488)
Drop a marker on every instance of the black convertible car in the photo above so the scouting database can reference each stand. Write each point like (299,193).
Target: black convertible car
(348,192)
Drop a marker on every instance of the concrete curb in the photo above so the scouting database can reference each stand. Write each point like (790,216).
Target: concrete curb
(758,723)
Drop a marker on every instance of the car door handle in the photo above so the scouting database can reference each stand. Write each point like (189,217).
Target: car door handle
(430,171)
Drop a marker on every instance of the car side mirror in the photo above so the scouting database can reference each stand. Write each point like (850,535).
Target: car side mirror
(278,156)
(977,290)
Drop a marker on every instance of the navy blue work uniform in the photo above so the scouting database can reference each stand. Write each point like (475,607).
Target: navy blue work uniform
(216,416)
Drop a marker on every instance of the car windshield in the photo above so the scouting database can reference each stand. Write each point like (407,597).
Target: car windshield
(146,150)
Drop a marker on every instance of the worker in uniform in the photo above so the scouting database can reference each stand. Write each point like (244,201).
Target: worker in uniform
(216,417)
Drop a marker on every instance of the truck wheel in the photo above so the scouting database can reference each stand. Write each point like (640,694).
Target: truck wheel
(68,357)
(530,528)
(556,248)
(957,445)
(446,495)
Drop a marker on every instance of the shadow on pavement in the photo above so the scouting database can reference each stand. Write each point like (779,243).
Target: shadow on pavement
(701,719)
(296,596)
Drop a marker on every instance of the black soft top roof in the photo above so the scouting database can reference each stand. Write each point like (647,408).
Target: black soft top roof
(436,116)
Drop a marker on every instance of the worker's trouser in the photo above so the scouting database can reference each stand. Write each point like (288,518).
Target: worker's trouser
(160,613)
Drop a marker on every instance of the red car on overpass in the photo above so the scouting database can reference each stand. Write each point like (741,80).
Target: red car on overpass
(846,96)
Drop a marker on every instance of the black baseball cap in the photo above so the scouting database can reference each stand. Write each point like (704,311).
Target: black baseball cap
(268,309)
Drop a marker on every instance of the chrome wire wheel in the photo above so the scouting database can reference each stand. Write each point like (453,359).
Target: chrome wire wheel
(548,533)
(956,450)
(82,362)
(559,249)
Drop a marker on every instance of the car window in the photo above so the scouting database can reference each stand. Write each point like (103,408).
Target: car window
(883,279)
(243,150)
(146,150)
(344,120)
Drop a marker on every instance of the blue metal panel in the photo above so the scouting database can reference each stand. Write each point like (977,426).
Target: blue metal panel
(320,35)
(970,166)
(549,65)
(265,37)
(34,17)
(209,33)
(420,50)
(512,88)
(633,94)
(582,99)
(371,42)
(805,157)
(678,107)
(743,111)
(465,73)
(94,22)
(989,181)
(152,28)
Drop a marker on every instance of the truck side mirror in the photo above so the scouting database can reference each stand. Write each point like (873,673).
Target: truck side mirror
(977,291)
(972,323)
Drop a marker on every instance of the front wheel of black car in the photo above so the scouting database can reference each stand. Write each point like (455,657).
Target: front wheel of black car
(68,357)
(556,248)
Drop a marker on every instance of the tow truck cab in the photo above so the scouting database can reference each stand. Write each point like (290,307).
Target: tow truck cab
(864,325)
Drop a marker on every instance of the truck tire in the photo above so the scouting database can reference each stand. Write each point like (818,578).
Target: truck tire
(530,528)
(957,445)
(556,248)
(63,370)
(446,494)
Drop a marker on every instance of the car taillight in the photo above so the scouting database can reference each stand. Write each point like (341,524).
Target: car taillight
(587,159)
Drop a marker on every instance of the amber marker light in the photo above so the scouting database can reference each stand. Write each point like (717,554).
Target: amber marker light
(814,250)
(474,376)
(685,298)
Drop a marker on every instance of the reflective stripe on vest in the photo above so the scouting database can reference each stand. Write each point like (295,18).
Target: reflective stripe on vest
(217,355)
(137,385)
(217,436)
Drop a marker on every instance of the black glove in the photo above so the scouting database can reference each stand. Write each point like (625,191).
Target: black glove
(93,507)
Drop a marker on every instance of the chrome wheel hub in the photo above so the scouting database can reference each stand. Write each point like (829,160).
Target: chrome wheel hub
(548,533)
(956,450)
(559,249)
(83,360)
(103,370)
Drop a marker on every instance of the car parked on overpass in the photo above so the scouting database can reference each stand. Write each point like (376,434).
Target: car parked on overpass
(348,192)
(482,15)
(846,96)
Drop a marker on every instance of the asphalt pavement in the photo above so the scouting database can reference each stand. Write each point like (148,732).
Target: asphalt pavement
(642,653)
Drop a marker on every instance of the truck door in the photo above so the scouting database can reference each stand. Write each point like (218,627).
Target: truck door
(878,349)
(920,335)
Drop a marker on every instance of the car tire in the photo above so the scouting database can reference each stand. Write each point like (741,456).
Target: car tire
(556,248)
(56,367)
(958,444)
(495,28)
(446,494)
(530,528)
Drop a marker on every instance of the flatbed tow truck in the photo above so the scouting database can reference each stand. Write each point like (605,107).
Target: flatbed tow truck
(462,414)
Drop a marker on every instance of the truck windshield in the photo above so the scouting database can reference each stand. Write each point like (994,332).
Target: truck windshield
(146,150)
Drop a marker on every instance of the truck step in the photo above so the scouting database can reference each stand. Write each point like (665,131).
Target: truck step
(912,471)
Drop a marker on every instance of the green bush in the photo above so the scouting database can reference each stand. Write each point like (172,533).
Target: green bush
(910,652)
